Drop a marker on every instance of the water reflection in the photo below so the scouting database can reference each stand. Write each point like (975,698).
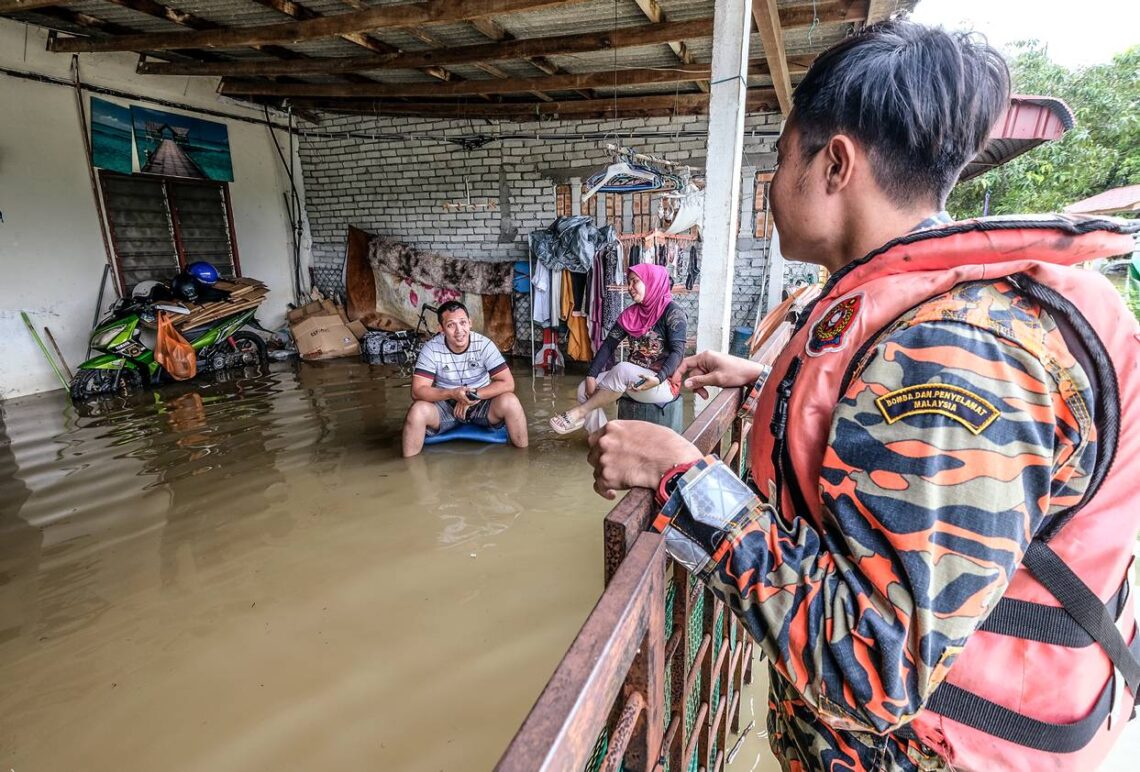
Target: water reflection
(244,574)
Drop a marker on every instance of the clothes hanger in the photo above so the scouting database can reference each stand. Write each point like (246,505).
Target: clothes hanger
(623,177)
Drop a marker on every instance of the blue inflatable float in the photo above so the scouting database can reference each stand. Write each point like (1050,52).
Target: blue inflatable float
(496,436)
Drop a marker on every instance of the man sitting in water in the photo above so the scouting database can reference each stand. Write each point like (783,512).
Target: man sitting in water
(461,378)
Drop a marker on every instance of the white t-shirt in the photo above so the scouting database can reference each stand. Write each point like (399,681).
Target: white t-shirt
(473,367)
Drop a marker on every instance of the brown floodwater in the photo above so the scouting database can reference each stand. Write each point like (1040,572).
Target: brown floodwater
(243,574)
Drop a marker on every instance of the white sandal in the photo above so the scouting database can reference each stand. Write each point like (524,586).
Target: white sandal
(563,424)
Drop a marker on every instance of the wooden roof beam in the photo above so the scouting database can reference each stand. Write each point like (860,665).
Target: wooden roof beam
(512,49)
(528,48)
(758,100)
(110,28)
(303,13)
(767,18)
(20,6)
(490,28)
(562,82)
(653,12)
(378,17)
(439,73)
(185,19)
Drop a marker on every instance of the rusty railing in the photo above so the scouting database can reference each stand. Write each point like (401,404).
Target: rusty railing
(653,679)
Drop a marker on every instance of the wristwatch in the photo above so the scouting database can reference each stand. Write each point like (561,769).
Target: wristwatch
(669,481)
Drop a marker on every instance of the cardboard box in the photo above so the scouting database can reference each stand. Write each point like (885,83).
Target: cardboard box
(324,337)
(316,308)
(358,329)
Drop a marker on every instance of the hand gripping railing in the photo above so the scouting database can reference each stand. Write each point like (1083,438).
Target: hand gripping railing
(653,679)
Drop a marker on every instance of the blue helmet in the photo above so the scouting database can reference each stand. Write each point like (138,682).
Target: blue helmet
(203,272)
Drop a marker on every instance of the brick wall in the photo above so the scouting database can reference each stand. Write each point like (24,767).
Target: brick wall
(394,177)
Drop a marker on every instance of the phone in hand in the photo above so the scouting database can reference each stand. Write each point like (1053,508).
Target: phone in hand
(640,382)
(473,395)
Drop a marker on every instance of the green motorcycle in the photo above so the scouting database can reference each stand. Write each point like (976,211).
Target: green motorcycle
(127,338)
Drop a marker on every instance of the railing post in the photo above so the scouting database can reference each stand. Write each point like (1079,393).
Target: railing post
(682,609)
(647,676)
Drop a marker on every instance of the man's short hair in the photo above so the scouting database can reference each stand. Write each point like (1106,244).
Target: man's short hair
(448,307)
(919,99)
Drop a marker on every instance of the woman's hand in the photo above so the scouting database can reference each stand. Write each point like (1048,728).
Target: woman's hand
(591,386)
(646,384)
(712,368)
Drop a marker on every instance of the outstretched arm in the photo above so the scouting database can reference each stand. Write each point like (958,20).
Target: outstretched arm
(925,517)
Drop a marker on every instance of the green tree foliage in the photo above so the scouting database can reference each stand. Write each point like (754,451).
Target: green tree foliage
(1101,152)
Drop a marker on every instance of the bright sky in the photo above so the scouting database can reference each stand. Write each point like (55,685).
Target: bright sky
(1077,32)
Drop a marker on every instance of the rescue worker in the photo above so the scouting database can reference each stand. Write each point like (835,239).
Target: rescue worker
(932,543)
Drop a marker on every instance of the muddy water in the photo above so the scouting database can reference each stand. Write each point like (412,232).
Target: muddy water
(246,576)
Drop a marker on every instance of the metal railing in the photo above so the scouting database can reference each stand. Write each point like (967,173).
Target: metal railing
(653,679)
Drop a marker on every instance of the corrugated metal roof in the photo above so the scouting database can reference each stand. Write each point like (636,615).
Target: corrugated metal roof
(658,55)
(230,13)
(328,47)
(573,16)
(1029,122)
(1126,199)
(124,16)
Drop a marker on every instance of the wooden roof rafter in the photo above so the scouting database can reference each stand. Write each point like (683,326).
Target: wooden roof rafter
(559,56)
(563,82)
(767,18)
(653,12)
(375,18)
(186,19)
(526,48)
(655,105)
(533,50)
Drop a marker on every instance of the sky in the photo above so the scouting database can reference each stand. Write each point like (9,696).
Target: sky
(1077,32)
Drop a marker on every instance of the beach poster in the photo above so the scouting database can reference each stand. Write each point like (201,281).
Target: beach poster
(110,136)
(175,145)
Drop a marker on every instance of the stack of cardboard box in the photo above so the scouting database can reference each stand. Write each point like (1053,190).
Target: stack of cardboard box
(322,330)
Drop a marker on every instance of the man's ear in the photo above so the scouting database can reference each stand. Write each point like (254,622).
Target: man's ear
(840,157)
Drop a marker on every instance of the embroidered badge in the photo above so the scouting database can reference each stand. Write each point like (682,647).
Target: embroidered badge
(959,404)
(829,334)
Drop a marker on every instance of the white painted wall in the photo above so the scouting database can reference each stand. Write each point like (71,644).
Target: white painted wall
(51,253)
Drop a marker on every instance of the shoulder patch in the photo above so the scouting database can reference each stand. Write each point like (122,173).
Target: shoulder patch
(961,405)
(829,333)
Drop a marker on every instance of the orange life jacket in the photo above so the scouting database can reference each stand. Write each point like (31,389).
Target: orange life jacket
(1034,687)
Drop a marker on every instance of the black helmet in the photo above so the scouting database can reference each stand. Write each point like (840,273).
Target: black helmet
(184,288)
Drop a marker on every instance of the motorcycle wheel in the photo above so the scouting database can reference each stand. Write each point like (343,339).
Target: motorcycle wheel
(248,350)
(91,384)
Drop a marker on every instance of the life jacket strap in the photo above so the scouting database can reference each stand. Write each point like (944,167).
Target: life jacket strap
(1046,624)
(1084,606)
(969,709)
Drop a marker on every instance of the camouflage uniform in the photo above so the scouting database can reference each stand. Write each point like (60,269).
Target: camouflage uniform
(925,518)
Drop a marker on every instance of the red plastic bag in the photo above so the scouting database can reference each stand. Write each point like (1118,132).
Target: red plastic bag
(174,352)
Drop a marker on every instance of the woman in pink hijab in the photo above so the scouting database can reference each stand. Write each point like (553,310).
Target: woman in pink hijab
(655,327)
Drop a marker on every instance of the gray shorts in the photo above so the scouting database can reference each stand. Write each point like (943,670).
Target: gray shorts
(477,415)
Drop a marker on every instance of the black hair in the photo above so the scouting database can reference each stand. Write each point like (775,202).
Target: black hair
(920,100)
(448,307)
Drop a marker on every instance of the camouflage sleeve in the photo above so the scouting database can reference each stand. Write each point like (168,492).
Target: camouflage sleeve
(945,454)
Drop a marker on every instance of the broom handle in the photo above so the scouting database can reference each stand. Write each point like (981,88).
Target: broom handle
(43,348)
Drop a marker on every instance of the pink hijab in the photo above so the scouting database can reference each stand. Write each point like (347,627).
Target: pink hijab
(640,317)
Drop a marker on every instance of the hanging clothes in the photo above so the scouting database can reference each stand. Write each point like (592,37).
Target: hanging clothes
(595,295)
(578,283)
(541,284)
(694,268)
(555,296)
(634,256)
(578,341)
